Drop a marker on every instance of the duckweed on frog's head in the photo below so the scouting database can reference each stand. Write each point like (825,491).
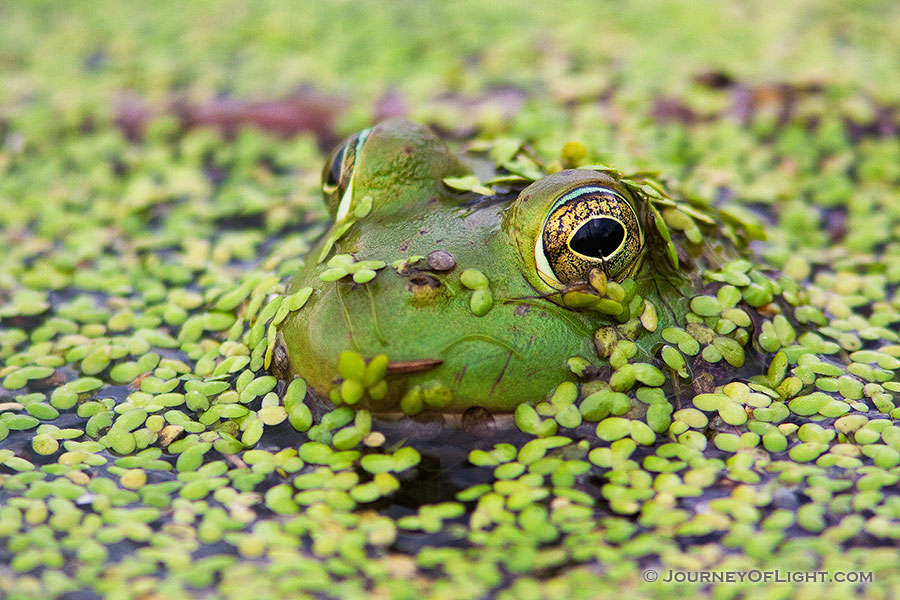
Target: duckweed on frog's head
(434,291)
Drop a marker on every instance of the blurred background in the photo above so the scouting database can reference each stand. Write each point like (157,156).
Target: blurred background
(748,97)
(82,57)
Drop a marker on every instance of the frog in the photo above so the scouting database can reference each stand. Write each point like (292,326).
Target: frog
(427,296)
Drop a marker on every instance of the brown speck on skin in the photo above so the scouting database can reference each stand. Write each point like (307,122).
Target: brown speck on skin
(423,232)
(413,366)
(461,374)
(441,260)
(522,310)
(405,245)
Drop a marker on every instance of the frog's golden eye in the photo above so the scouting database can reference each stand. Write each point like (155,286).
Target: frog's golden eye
(337,175)
(589,227)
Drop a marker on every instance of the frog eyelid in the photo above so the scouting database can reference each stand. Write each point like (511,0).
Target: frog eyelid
(542,265)
(347,199)
(581,191)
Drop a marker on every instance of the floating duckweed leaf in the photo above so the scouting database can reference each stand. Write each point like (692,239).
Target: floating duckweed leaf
(710,402)
(733,413)
(565,394)
(647,374)
(192,458)
(258,387)
(468,183)
(705,306)
(674,360)
(133,479)
(44,444)
(509,470)
(603,403)
(613,428)
(623,351)
(727,442)
(809,404)
(363,276)
(659,416)
(623,379)
(42,411)
(685,342)
(807,451)
(473,279)
(406,458)
(649,318)
(436,395)
(481,302)
(20,377)
(579,366)
(293,302)
(412,402)
(18,422)
(731,351)
(351,366)
(341,265)
(640,433)
(363,207)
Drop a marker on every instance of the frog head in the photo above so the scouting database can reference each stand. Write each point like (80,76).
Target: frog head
(396,164)
(424,297)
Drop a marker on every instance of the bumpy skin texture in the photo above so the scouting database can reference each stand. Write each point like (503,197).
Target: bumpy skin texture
(425,320)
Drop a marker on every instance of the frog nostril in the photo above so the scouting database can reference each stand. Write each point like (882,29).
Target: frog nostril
(424,288)
(598,238)
(422,283)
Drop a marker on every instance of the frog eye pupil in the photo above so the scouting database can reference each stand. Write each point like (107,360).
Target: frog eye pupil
(598,238)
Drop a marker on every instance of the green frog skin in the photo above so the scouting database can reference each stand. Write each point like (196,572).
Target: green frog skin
(491,301)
